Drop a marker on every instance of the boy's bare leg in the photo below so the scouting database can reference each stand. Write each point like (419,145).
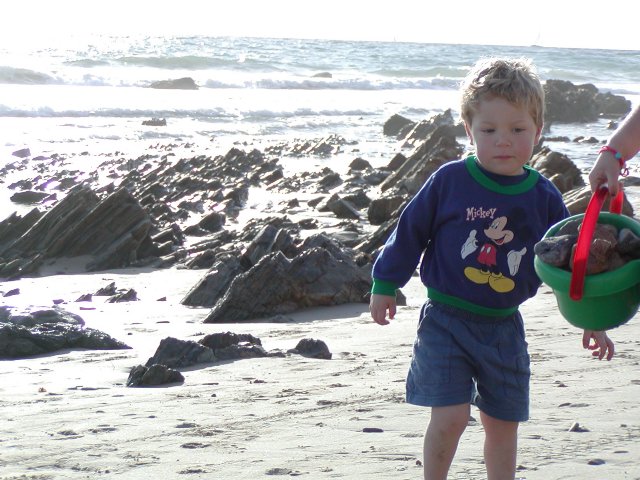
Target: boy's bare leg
(500,447)
(441,440)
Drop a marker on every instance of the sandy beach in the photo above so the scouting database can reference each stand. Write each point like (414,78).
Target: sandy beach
(70,415)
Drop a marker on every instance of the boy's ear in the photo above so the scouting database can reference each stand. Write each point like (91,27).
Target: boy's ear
(539,133)
(467,128)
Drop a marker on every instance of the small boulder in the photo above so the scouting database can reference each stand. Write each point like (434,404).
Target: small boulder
(185,83)
(156,374)
(312,348)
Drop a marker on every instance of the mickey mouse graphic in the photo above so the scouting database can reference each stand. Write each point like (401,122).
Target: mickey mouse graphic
(497,236)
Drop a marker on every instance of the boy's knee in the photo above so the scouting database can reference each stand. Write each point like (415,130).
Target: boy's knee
(450,421)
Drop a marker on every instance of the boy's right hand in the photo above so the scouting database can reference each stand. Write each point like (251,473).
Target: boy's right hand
(378,306)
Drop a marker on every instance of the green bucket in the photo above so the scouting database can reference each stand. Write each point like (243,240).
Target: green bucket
(610,298)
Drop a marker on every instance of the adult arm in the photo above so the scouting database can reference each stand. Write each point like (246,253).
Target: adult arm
(626,141)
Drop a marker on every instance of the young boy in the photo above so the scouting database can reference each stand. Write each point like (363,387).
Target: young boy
(475,222)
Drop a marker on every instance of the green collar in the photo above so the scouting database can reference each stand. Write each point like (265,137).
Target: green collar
(490,184)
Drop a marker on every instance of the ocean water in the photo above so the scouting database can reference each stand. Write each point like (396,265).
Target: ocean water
(91,94)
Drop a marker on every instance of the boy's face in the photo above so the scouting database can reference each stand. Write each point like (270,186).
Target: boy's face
(504,135)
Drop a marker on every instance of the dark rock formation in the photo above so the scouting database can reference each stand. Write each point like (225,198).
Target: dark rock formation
(219,341)
(107,290)
(29,197)
(567,103)
(558,168)
(438,148)
(312,348)
(127,296)
(359,164)
(321,275)
(396,124)
(141,376)
(213,222)
(383,209)
(175,353)
(36,332)
(329,145)
(577,200)
(155,122)
(225,266)
(340,207)
(213,285)
(185,83)
(22,153)
(136,224)
(221,181)
(236,352)
(111,231)
(423,129)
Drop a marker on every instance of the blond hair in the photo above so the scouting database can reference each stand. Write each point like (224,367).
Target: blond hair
(514,80)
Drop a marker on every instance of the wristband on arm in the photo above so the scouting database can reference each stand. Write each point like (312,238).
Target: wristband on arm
(624,170)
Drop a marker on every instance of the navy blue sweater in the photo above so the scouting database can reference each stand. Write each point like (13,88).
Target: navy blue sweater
(475,233)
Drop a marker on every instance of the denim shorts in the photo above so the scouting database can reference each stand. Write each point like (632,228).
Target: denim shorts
(460,357)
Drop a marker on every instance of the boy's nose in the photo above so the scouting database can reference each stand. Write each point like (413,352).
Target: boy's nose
(503,140)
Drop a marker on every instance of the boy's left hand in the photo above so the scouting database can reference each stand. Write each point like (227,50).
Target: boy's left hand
(601,346)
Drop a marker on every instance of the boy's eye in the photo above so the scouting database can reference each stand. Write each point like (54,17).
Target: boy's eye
(519,130)
(488,130)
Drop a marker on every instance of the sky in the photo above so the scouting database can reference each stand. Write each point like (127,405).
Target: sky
(553,23)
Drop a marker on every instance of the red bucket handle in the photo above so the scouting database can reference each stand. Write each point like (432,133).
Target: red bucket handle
(585,236)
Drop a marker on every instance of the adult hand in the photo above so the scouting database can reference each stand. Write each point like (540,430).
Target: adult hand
(605,172)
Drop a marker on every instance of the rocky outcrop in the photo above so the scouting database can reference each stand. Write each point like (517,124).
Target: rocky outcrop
(321,275)
(329,145)
(137,222)
(197,185)
(440,146)
(577,200)
(421,131)
(312,348)
(397,125)
(185,83)
(567,103)
(383,209)
(558,168)
(35,332)
(112,232)
(226,266)
(142,376)
(173,353)
(155,122)
(29,197)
